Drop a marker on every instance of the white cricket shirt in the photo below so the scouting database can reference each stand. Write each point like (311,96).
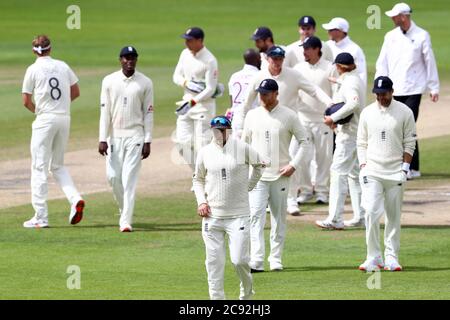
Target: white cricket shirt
(351,90)
(408,60)
(347,45)
(238,85)
(201,67)
(384,134)
(126,106)
(221,177)
(49,80)
(310,109)
(270,134)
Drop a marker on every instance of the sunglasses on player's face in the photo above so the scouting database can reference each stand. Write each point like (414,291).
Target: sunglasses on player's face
(221,122)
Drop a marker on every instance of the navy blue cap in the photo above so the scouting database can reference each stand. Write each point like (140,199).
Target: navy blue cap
(307,21)
(382,84)
(267,85)
(312,42)
(344,58)
(262,33)
(276,51)
(128,50)
(335,108)
(193,33)
(220,122)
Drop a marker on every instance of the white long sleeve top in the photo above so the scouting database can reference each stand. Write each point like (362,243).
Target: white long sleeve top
(270,134)
(409,61)
(384,135)
(310,109)
(239,83)
(221,177)
(201,67)
(347,45)
(351,90)
(126,106)
(289,83)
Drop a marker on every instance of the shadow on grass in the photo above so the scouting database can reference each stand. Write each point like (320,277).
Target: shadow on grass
(142,227)
(434,176)
(355,268)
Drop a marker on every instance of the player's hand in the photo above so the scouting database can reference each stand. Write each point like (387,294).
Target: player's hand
(184,107)
(332,79)
(287,171)
(204,210)
(146,150)
(434,97)
(103,148)
(329,122)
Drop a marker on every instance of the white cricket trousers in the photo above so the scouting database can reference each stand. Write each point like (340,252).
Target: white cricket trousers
(50,134)
(192,133)
(238,232)
(344,176)
(275,193)
(379,196)
(122,169)
(321,150)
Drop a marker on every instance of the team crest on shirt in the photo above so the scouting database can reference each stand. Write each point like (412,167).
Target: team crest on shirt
(150,108)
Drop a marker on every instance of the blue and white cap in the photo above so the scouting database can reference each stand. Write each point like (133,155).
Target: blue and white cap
(128,50)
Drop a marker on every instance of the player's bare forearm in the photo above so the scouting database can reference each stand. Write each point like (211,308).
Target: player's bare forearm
(103,148)
(74,92)
(146,150)
(407,157)
(28,102)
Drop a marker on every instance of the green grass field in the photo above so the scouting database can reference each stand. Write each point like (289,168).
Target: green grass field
(164,259)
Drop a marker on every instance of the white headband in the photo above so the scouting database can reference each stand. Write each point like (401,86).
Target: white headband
(40,49)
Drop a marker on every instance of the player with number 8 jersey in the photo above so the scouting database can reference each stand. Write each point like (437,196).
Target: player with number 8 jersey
(53,85)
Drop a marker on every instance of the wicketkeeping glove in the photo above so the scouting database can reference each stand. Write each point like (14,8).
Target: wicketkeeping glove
(184,107)
(195,86)
(219,91)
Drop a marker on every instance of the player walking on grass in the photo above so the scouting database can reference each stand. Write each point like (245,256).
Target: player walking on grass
(54,85)
(269,130)
(197,73)
(386,142)
(126,124)
(221,185)
(344,170)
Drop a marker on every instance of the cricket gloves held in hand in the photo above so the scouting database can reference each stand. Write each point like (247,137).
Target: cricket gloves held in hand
(184,107)
(195,86)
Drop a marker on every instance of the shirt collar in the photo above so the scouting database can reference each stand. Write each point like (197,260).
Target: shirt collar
(249,67)
(343,42)
(410,30)
(199,52)
(125,78)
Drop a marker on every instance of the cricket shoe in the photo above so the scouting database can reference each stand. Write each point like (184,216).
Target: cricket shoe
(126,228)
(392,265)
(276,266)
(353,223)
(371,265)
(35,223)
(76,212)
(330,225)
(302,198)
(293,211)
(321,198)
(256,267)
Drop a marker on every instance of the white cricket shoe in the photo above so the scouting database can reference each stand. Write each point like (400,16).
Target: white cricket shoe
(302,198)
(126,228)
(35,223)
(256,267)
(276,266)
(293,211)
(392,265)
(330,225)
(371,265)
(355,223)
(321,198)
(76,212)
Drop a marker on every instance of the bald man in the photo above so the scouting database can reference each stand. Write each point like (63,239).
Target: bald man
(238,85)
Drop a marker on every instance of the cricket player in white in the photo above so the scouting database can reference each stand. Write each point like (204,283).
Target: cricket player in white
(340,42)
(317,69)
(407,58)
(239,82)
(289,81)
(263,38)
(221,185)
(269,130)
(197,73)
(344,173)
(386,142)
(126,124)
(54,86)
(294,51)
